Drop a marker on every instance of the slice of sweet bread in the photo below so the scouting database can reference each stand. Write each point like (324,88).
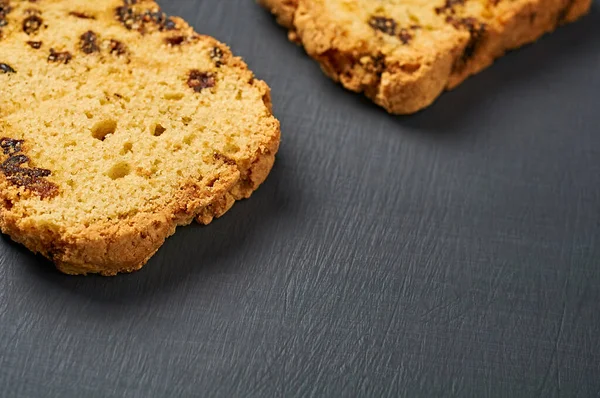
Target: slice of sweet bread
(118,124)
(403,53)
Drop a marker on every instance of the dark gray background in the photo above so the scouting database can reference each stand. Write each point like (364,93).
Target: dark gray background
(451,253)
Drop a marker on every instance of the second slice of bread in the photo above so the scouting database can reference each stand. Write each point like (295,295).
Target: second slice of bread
(403,54)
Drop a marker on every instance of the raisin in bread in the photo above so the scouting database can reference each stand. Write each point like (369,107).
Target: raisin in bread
(118,124)
(403,53)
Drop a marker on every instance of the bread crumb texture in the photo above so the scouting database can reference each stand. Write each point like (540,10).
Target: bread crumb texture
(117,124)
(404,53)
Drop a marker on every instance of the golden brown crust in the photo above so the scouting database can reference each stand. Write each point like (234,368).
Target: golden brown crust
(284,11)
(110,249)
(406,79)
(123,242)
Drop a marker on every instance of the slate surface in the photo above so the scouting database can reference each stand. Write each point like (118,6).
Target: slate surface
(451,253)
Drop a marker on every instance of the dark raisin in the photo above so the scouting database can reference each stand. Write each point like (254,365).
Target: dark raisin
(31,178)
(117,48)
(378,64)
(157,17)
(476,38)
(405,36)
(32,24)
(200,80)
(35,44)
(89,42)
(11,146)
(477,31)
(143,21)
(5,8)
(163,22)
(126,16)
(5,68)
(13,163)
(383,24)
(449,7)
(216,54)
(175,40)
(63,56)
(81,15)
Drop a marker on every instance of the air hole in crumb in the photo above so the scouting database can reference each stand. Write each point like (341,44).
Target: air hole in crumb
(158,130)
(186,120)
(119,170)
(173,96)
(239,95)
(212,182)
(155,166)
(104,128)
(71,183)
(89,115)
(415,19)
(188,139)
(231,148)
(127,147)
